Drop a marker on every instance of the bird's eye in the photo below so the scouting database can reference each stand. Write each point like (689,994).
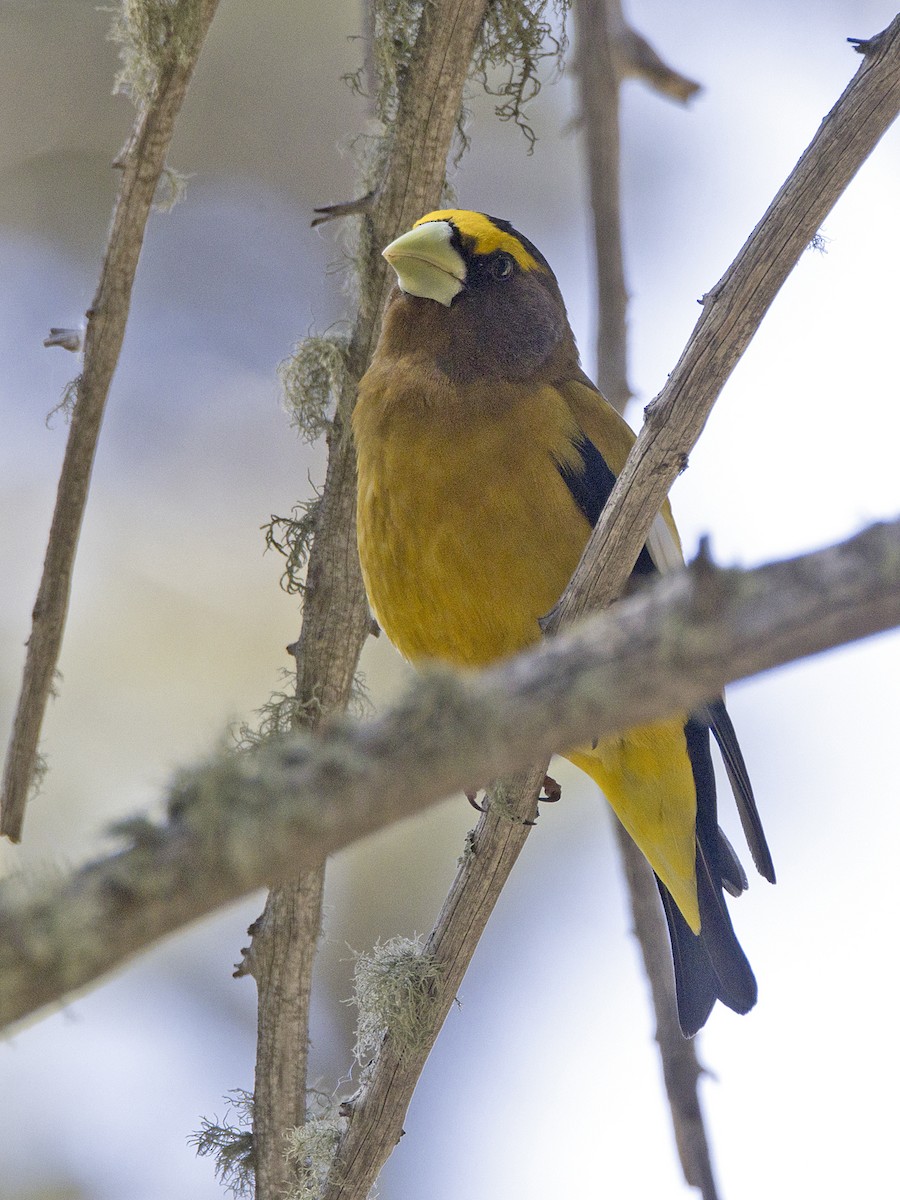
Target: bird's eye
(503,266)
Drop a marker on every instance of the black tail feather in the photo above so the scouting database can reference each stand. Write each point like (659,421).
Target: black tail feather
(695,982)
(710,966)
(723,731)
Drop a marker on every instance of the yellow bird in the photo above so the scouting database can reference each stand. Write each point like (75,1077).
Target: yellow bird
(485,456)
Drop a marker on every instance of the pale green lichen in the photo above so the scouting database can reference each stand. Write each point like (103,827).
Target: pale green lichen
(502,801)
(67,402)
(393,26)
(468,851)
(230,1144)
(171,189)
(313,381)
(153,35)
(396,989)
(292,537)
(309,1150)
(517,36)
(279,715)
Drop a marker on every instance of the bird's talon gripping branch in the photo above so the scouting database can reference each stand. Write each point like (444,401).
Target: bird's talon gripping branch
(472,798)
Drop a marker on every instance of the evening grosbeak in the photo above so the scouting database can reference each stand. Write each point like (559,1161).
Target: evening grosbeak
(485,455)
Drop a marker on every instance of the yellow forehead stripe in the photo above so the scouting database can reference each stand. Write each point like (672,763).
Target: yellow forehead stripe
(484,233)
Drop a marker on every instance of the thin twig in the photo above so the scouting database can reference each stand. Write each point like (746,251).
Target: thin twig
(604,42)
(599,105)
(142,163)
(246,820)
(635,58)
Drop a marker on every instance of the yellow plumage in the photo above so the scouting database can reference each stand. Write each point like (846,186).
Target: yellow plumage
(484,455)
(461,556)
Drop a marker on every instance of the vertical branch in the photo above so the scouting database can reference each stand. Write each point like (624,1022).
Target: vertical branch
(603,57)
(609,51)
(599,102)
(681,1069)
(281,960)
(165,64)
(335,613)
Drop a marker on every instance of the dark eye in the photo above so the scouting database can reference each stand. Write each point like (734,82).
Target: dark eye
(503,265)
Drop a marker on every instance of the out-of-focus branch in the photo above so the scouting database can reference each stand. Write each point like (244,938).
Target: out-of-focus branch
(732,313)
(175,50)
(251,819)
(607,51)
(635,58)
(335,614)
(598,98)
(678,1054)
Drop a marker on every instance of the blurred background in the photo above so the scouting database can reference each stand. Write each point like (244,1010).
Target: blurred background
(545,1079)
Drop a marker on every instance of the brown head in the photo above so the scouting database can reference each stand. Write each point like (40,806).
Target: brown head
(478,300)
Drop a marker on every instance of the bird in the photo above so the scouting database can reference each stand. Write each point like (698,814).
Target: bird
(484,457)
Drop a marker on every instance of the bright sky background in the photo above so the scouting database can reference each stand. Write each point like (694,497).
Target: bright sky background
(544,1080)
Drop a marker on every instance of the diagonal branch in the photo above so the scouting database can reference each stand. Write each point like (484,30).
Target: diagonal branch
(377,1112)
(142,163)
(244,821)
(732,313)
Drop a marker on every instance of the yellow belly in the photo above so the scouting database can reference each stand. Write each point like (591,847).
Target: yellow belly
(468,535)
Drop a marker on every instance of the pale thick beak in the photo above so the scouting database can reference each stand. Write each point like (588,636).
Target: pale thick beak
(427,265)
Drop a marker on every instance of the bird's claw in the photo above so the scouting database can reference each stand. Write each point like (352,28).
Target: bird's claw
(551,790)
(472,798)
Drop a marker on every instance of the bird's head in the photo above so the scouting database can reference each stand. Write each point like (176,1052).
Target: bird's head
(478,297)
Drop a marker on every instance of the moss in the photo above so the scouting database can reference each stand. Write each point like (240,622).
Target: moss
(396,988)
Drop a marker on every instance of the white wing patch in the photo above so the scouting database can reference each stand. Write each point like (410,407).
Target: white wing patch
(663,548)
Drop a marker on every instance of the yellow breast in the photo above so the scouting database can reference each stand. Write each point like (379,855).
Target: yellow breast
(467,532)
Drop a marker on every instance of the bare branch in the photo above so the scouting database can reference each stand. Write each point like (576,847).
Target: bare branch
(599,104)
(142,163)
(247,820)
